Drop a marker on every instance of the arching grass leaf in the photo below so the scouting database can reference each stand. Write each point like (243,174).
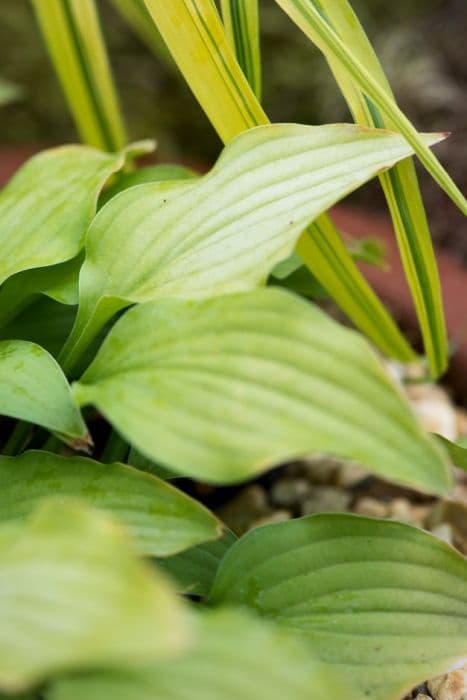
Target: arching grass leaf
(73,38)
(225,231)
(235,656)
(33,388)
(384,604)
(212,72)
(75,596)
(162,519)
(400,184)
(224,388)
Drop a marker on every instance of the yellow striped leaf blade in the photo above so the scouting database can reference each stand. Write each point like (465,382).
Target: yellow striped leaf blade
(383,604)
(73,38)
(241,20)
(75,596)
(226,231)
(400,184)
(223,389)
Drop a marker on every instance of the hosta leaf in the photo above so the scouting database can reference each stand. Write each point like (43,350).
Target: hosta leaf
(241,19)
(222,389)
(153,173)
(310,16)
(211,70)
(73,37)
(457,451)
(384,604)
(163,520)
(48,205)
(223,232)
(235,657)
(195,569)
(400,184)
(33,388)
(74,595)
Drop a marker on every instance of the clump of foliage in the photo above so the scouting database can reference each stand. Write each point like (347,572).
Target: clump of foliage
(147,307)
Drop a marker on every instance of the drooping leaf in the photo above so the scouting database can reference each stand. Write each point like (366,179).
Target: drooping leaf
(400,184)
(75,596)
(383,604)
(222,389)
(235,656)
(223,232)
(195,569)
(33,388)
(74,40)
(241,19)
(48,205)
(212,72)
(163,520)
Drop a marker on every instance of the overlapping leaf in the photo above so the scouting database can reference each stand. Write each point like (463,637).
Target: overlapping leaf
(226,231)
(33,388)
(224,388)
(241,19)
(235,656)
(163,520)
(48,205)
(211,70)
(384,604)
(74,595)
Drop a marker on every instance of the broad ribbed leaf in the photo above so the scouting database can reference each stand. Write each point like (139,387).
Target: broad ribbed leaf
(153,173)
(209,66)
(310,16)
(235,657)
(195,569)
(162,519)
(384,604)
(241,19)
(48,205)
(73,38)
(74,595)
(457,451)
(226,231)
(33,388)
(224,388)
(400,184)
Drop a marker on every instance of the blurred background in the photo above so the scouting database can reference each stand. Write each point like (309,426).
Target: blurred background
(422,44)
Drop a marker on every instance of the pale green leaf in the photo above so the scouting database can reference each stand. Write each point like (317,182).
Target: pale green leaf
(235,657)
(223,232)
(384,604)
(225,388)
(195,569)
(241,19)
(400,184)
(457,451)
(75,596)
(73,38)
(209,66)
(153,173)
(48,205)
(33,388)
(162,519)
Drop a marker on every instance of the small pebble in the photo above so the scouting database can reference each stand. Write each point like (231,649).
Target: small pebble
(452,686)
(277,516)
(443,532)
(371,507)
(326,499)
(248,505)
(434,409)
(290,492)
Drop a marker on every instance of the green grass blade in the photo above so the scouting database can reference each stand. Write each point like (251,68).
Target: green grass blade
(241,20)
(400,186)
(210,68)
(310,17)
(73,37)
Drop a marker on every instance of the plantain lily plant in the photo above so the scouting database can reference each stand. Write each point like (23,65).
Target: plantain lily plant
(152,327)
